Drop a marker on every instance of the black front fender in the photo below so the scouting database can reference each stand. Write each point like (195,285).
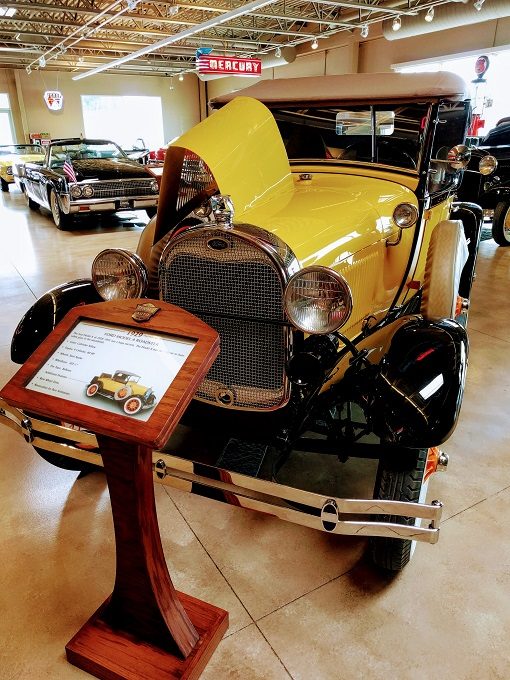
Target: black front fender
(46,313)
(420,383)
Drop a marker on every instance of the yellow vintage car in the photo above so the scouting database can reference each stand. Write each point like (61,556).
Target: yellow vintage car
(124,388)
(313,223)
(16,154)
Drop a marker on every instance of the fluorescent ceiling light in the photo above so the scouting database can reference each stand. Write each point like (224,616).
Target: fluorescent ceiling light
(186,33)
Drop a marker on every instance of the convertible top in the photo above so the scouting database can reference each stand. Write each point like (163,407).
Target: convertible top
(353,88)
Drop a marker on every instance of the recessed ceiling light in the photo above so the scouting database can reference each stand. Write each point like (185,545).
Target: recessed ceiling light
(397,23)
(430,15)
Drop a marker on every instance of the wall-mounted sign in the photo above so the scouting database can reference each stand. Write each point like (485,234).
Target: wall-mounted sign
(54,99)
(481,66)
(42,138)
(229,66)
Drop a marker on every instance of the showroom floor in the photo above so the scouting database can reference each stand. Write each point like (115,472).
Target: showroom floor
(302,604)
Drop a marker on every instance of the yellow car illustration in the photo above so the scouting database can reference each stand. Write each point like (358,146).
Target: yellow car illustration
(16,154)
(124,388)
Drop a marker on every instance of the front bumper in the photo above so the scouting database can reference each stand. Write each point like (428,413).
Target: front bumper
(332,515)
(108,204)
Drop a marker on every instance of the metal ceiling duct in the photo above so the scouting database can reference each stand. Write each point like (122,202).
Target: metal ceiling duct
(451,15)
(269,60)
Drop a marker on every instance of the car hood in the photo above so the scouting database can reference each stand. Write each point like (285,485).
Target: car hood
(20,158)
(324,213)
(104,169)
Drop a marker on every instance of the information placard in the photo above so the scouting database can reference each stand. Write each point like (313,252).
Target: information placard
(121,370)
(117,370)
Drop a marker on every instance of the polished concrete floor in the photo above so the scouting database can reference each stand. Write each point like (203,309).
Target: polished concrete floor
(302,604)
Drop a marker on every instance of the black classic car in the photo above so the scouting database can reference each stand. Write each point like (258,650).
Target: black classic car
(493,191)
(84,176)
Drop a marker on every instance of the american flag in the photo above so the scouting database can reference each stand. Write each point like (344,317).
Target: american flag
(69,170)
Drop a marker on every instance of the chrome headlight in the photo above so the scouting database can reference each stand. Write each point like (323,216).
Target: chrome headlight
(487,165)
(87,191)
(154,186)
(118,274)
(405,215)
(318,300)
(9,169)
(75,191)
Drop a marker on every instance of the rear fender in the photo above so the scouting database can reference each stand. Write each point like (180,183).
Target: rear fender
(420,383)
(46,313)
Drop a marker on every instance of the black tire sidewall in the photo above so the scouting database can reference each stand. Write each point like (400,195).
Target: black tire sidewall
(498,224)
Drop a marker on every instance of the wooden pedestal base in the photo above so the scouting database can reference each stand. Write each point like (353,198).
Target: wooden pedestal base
(116,655)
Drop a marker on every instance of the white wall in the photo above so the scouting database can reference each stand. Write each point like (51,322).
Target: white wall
(180,106)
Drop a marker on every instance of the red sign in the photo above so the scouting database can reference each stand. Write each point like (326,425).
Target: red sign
(481,65)
(229,66)
(54,100)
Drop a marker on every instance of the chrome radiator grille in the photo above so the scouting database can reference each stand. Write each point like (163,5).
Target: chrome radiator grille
(237,290)
(118,189)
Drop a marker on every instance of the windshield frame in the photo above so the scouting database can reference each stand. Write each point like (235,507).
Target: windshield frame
(409,164)
(77,150)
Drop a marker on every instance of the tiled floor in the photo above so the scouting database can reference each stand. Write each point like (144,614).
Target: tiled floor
(302,604)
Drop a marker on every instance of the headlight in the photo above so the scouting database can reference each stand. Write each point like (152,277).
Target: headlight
(154,186)
(75,191)
(118,274)
(487,165)
(318,300)
(87,191)
(9,169)
(405,215)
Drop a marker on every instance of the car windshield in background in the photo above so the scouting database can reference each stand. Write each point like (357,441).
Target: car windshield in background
(83,152)
(386,134)
(21,149)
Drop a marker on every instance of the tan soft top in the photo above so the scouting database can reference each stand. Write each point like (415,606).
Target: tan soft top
(356,87)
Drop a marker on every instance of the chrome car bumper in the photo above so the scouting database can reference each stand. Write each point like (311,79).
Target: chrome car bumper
(313,510)
(104,204)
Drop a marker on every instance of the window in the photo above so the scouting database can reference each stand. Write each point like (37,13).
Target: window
(124,120)
(6,127)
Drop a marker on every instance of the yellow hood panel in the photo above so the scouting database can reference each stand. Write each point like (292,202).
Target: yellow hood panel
(324,220)
(243,148)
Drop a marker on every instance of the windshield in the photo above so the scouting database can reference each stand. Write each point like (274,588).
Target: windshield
(21,149)
(385,134)
(80,151)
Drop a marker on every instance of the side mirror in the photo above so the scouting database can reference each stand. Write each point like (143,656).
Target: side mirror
(458,157)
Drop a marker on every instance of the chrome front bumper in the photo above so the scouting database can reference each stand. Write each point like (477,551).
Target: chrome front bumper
(313,510)
(103,204)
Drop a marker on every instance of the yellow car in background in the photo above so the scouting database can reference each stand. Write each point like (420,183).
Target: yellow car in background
(16,154)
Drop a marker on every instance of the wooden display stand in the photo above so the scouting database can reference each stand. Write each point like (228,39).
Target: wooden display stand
(145,629)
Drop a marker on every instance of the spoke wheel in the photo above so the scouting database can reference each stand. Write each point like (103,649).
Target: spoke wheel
(132,406)
(501,224)
(61,220)
(92,390)
(399,478)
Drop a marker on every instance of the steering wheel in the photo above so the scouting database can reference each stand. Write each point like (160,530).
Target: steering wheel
(395,154)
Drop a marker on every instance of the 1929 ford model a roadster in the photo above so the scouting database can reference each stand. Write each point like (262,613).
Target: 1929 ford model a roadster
(312,223)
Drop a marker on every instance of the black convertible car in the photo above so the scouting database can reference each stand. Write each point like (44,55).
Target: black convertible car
(86,175)
(492,192)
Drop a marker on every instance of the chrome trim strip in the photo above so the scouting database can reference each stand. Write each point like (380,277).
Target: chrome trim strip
(110,201)
(251,493)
